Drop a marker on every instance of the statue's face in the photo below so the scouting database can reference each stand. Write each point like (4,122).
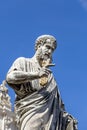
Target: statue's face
(47,50)
(44,52)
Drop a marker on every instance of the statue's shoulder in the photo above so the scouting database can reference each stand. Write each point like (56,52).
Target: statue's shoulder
(22,59)
(20,63)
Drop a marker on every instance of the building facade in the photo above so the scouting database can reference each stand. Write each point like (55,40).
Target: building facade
(7,117)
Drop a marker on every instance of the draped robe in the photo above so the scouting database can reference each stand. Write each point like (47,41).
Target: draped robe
(39,107)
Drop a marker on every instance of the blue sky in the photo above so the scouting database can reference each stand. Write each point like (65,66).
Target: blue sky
(22,21)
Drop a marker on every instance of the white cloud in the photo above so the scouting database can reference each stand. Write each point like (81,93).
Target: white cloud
(84,3)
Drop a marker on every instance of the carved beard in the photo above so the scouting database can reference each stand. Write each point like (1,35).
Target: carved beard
(42,56)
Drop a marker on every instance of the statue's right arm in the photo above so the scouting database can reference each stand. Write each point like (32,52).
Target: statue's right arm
(17,77)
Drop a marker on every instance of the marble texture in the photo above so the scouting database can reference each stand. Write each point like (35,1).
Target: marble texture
(38,104)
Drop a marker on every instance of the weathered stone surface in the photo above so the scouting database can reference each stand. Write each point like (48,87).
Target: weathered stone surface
(38,105)
(7,117)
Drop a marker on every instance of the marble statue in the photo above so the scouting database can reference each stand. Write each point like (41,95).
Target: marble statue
(38,104)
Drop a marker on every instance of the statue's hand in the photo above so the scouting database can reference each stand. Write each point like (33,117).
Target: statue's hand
(44,72)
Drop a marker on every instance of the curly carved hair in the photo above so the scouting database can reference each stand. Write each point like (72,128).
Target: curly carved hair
(43,39)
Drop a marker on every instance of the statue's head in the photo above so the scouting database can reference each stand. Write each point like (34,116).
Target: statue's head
(46,39)
(45,45)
